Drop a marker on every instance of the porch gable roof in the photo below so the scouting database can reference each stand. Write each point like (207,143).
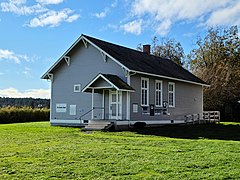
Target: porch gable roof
(113,80)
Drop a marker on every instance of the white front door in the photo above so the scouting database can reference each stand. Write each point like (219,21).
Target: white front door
(115,104)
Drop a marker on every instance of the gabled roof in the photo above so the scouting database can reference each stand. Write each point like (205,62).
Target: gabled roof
(137,61)
(113,80)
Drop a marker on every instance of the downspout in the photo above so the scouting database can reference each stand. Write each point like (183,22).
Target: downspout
(129,98)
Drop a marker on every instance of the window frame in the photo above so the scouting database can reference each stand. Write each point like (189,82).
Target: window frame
(74,88)
(161,93)
(172,92)
(145,89)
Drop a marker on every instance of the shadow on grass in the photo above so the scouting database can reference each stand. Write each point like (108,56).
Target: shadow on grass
(209,131)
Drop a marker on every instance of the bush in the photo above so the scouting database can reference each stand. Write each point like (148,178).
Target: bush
(23,114)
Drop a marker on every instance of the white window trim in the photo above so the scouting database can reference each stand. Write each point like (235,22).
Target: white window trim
(171,83)
(145,79)
(77,85)
(161,92)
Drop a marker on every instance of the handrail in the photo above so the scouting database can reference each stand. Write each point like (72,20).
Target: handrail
(80,118)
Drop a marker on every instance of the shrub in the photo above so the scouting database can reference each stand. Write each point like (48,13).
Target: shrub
(23,114)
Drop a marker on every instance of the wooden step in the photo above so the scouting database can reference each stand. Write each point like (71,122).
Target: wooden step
(97,125)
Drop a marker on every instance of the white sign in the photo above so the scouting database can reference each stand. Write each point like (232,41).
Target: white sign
(61,108)
(135,108)
(72,110)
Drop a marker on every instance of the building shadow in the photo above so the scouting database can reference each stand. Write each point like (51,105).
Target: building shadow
(208,131)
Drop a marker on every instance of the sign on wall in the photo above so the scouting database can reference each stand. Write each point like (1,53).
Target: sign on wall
(72,110)
(135,108)
(61,108)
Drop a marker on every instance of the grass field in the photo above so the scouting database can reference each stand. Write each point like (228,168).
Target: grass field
(38,151)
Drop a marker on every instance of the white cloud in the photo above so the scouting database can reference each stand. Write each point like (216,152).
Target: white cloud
(102,14)
(18,1)
(225,16)
(34,93)
(164,13)
(40,15)
(164,27)
(1,73)
(10,55)
(134,27)
(18,7)
(49,1)
(72,18)
(53,18)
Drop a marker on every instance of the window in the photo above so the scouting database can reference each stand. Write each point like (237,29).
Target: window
(158,93)
(144,91)
(171,94)
(77,88)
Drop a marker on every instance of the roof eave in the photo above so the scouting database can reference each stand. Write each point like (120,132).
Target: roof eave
(167,77)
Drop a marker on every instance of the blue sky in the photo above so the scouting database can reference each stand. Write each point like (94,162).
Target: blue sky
(35,33)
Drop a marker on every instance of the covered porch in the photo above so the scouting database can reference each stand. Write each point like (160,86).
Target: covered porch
(110,99)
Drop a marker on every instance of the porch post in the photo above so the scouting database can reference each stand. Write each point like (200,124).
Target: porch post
(117,100)
(128,111)
(103,105)
(128,106)
(92,102)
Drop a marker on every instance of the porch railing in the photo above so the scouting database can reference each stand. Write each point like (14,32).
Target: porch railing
(205,117)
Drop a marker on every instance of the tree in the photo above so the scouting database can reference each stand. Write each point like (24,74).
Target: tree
(168,48)
(216,60)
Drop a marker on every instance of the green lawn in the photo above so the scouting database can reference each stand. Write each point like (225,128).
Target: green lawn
(38,151)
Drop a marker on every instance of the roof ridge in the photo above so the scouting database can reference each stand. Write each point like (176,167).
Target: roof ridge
(122,46)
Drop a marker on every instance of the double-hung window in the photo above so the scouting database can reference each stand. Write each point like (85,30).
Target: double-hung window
(171,94)
(144,91)
(158,93)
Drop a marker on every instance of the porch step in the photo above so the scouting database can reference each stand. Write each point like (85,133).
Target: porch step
(97,125)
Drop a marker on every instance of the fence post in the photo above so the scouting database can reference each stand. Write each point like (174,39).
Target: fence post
(219,117)
(214,117)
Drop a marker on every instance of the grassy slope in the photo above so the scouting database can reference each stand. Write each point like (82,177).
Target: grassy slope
(35,150)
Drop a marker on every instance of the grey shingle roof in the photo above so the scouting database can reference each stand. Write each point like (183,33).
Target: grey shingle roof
(143,62)
(118,82)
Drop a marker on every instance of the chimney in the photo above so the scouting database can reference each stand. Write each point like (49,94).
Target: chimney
(146,48)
